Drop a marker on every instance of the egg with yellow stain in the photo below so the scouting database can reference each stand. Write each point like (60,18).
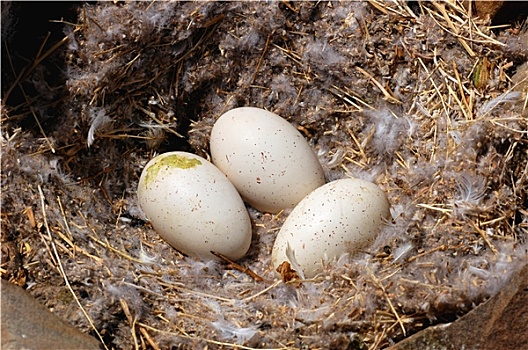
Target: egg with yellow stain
(194,207)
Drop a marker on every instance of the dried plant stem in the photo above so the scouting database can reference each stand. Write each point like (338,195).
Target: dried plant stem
(238,267)
(441,7)
(131,321)
(389,96)
(482,233)
(184,334)
(61,269)
(115,250)
(180,288)
(398,319)
(440,247)
(148,338)
(38,60)
(261,58)
(264,291)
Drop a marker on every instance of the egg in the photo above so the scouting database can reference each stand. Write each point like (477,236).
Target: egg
(343,216)
(193,206)
(267,159)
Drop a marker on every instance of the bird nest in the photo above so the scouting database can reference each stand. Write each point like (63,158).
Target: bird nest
(424,99)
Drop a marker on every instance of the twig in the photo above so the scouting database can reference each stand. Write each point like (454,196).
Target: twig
(261,58)
(233,265)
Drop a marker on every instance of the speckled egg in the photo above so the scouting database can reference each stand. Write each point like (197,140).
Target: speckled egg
(193,206)
(343,216)
(265,157)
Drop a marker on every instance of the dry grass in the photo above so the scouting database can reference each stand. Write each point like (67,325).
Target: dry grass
(419,100)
